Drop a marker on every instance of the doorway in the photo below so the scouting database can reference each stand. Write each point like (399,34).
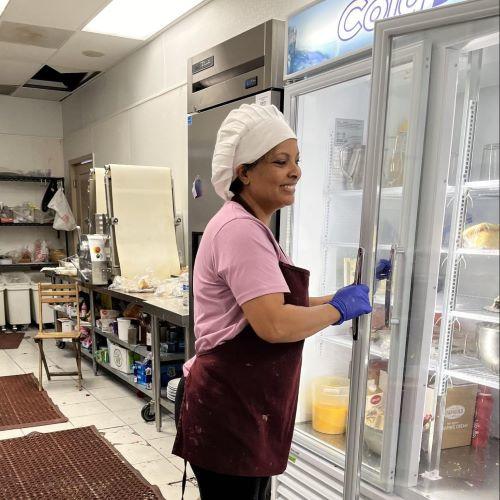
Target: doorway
(81,200)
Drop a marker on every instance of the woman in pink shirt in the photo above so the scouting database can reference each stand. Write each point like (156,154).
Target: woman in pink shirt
(252,313)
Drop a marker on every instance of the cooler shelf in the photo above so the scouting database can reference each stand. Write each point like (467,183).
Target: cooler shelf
(478,251)
(345,340)
(477,316)
(477,375)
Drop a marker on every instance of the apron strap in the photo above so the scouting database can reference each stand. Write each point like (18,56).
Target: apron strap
(184,479)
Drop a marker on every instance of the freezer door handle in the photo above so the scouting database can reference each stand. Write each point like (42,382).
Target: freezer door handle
(395,250)
(357,281)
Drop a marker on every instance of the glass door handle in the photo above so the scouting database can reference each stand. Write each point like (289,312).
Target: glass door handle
(395,249)
(357,281)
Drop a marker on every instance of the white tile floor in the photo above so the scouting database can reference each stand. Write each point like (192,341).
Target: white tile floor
(108,404)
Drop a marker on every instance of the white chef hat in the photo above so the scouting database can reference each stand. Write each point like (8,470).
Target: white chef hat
(246,134)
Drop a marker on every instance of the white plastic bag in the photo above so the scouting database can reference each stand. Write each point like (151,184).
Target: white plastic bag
(64,219)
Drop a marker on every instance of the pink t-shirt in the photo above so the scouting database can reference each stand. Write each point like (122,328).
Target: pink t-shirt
(237,261)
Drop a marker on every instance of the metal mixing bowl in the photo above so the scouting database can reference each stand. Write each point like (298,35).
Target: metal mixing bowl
(488,345)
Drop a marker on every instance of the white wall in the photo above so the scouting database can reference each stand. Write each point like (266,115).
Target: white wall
(30,139)
(135,113)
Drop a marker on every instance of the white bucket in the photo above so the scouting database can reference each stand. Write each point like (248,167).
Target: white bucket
(18,286)
(123,326)
(47,312)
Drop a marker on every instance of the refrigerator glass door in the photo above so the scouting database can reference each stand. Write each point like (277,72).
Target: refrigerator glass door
(444,257)
(394,219)
(330,117)
(460,439)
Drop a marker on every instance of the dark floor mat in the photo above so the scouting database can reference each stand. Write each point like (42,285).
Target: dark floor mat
(10,340)
(74,464)
(23,405)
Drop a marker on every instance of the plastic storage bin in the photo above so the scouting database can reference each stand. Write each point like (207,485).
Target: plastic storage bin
(47,312)
(18,287)
(2,304)
(330,404)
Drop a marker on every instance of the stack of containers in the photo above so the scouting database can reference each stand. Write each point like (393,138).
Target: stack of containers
(3,321)
(18,287)
(47,312)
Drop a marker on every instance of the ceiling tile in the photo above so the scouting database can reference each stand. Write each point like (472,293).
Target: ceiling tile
(65,14)
(113,49)
(21,52)
(48,95)
(51,38)
(17,72)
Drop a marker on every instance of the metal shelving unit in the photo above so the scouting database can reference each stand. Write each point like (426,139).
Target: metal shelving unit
(25,224)
(137,348)
(129,379)
(167,312)
(86,353)
(29,178)
(32,179)
(140,349)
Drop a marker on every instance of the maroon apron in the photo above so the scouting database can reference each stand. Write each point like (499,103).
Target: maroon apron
(240,399)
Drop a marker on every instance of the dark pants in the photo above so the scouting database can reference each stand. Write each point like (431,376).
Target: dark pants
(215,486)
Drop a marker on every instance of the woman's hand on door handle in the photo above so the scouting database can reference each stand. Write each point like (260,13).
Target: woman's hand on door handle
(351,301)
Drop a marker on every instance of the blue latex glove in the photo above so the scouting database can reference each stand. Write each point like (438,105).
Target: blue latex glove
(351,301)
(383,269)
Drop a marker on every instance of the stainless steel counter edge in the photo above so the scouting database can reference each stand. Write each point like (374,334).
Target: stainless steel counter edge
(135,298)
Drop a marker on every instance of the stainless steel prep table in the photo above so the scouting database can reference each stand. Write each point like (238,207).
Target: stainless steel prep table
(160,309)
(171,310)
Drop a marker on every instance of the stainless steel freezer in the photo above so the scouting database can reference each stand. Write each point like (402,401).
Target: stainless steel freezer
(247,68)
(420,121)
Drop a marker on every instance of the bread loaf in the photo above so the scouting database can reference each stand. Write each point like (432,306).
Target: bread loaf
(484,235)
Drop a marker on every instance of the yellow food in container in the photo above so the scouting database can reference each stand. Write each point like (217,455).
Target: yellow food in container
(330,403)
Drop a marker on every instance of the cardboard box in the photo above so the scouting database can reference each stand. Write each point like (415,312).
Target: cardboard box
(121,359)
(459,415)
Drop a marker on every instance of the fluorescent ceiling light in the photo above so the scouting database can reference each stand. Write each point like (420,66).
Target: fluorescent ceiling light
(138,19)
(3,4)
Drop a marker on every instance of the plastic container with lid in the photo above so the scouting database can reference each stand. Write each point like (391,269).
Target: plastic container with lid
(47,312)
(330,403)
(2,303)
(18,287)
(123,326)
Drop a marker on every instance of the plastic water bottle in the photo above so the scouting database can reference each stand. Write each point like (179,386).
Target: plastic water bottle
(149,376)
